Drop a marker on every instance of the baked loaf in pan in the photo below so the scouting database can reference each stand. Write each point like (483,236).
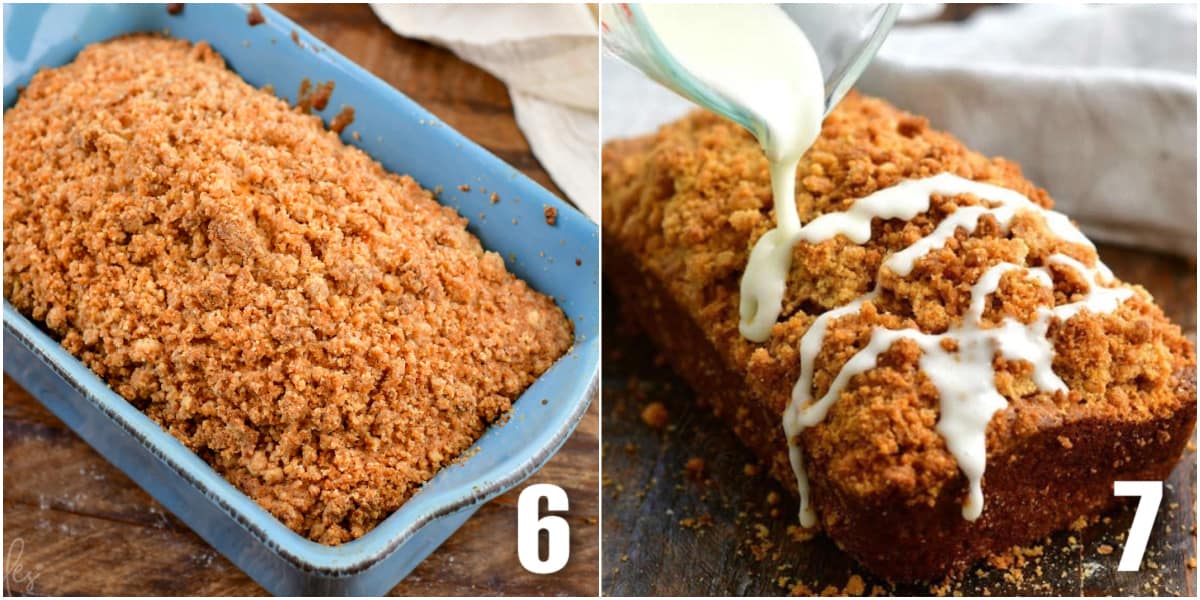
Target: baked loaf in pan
(1100,387)
(322,332)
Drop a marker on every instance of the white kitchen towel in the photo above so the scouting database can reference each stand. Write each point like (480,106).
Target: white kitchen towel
(1097,104)
(547,56)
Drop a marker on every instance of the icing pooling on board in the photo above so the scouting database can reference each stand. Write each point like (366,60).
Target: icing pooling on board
(760,60)
(964,378)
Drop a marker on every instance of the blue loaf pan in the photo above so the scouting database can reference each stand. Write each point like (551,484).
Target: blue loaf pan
(406,139)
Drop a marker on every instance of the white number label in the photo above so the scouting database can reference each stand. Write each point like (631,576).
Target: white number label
(530,526)
(1143,519)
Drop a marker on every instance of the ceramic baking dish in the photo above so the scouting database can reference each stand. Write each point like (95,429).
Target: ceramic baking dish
(406,139)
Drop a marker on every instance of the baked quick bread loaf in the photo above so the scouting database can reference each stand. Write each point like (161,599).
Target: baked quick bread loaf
(938,270)
(322,332)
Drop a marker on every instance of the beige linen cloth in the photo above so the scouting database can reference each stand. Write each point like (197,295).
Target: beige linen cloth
(547,55)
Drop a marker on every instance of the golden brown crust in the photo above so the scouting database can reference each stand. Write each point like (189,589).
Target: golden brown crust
(683,208)
(321,331)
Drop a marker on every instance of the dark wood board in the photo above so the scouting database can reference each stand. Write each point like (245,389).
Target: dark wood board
(735,546)
(75,525)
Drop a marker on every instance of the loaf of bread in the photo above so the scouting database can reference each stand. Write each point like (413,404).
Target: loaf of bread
(1100,387)
(322,332)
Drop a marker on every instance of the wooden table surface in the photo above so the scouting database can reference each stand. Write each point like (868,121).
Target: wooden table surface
(75,525)
(666,533)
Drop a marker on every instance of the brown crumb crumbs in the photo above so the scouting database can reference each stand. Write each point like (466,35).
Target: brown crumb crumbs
(855,586)
(1191,562)
(307,322)
(495,198)
(342,120)
(800,589)
(320,97)
(309,98)
(801,534)
(296,39)
(579,262)
(464,188)
(694,468)
(1104,550)
(255,16)
(174,9)
(1080,523)
(551,214)
(655,415)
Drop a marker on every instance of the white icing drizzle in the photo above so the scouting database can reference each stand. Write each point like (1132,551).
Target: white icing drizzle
(763,283)
(765,278)
(754,57)
(964,378)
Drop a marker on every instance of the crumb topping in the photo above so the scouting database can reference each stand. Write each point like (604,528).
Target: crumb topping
(342,120)
(322,332)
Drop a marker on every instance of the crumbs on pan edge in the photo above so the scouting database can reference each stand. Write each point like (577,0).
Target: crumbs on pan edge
(255,16)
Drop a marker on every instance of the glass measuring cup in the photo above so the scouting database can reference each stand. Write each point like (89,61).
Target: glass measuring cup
(844,36)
